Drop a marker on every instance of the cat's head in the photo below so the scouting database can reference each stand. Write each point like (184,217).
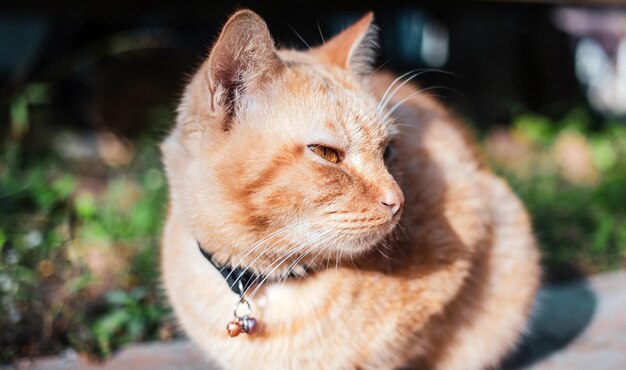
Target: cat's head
(283,151)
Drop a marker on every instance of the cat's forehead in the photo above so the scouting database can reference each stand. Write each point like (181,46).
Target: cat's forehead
(349,111)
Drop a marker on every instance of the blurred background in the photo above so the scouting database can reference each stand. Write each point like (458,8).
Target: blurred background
(88,90)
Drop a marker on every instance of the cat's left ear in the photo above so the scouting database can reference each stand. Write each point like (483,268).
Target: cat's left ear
(352,49)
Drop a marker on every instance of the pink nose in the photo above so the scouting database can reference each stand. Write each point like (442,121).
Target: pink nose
(392,200)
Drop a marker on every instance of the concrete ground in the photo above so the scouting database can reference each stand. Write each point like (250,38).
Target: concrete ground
(579,325)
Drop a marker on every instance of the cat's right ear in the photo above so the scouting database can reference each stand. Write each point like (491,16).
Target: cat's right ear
(241,60)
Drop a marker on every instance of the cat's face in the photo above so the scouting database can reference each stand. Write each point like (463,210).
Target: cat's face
(289,153)
(308,155)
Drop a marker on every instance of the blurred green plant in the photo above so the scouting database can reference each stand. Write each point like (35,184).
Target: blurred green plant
(578,206)
(128,320)
(78,245)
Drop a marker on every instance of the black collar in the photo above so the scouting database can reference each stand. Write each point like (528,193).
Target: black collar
(238,279)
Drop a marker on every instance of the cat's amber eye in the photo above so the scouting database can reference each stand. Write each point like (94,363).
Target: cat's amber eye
(329,154)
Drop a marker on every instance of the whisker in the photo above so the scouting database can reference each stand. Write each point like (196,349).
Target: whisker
(383,253)
(411,96)
(381,66)
(353,264)
(330,244)
(383,102)
(257,245)
(282,255)
(300,37)
(281,261)
(284,230)
(320,30)
(296,261)
(391,86)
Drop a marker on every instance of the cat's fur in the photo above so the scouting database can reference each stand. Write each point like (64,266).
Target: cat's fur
(445,283)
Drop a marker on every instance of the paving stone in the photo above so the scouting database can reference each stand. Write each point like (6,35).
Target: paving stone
(177,355)
(601,345)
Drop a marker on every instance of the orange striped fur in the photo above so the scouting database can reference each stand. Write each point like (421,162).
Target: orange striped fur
(425,260)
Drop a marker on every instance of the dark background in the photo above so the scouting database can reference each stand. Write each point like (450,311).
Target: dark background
(109,63)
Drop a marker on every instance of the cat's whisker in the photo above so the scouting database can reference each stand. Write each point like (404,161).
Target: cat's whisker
(411,96)
(328,245)
(262,241)
(404,229)
(280,260)
(308,245)
(328,258)
(388,115)
(380,67)
(399,78)
(295,250)
(294,263)
(383,103)
(320,30)
(396,233)
(330,249)
(322,242)
(297,260)
(353,264)
(405,125)
(258,244)
(341,251)
(331,245)
(290,232)
(384,244)
(386,99)
(300,37)
(383,253)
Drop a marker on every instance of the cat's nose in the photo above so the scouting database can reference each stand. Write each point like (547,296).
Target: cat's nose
(392,200)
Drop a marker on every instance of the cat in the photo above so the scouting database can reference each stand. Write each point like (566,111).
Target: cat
(382,239)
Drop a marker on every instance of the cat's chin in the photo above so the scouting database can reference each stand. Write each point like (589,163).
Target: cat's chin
(358,245)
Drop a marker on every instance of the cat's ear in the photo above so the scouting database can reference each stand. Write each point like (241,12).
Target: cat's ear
(242,58)
(353,49)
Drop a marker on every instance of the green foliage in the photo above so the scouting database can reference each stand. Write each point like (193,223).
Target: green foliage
(78,261)
(131,315)
(577,223)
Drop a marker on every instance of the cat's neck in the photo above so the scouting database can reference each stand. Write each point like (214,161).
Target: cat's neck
(241,278)
(252,256)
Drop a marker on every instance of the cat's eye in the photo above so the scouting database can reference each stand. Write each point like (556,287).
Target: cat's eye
(390,154)
(328,153)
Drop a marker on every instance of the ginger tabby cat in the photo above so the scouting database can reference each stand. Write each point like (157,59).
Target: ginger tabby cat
(281,161)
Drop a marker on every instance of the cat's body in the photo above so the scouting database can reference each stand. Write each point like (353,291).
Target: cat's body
(441,276)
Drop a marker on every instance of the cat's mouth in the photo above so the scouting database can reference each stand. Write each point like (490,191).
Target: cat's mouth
(366,228)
